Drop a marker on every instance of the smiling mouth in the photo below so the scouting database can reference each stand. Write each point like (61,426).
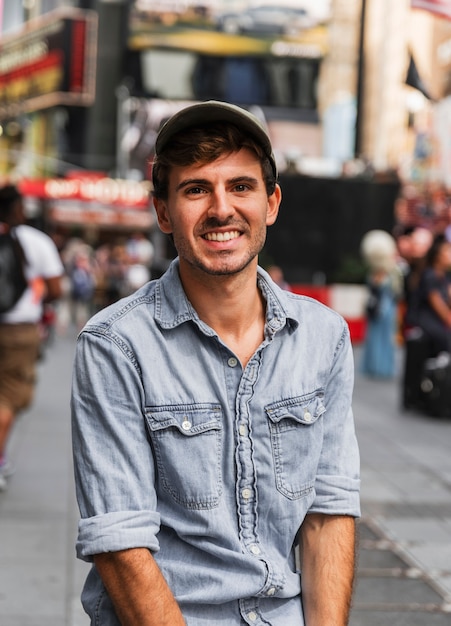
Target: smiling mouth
(227,236)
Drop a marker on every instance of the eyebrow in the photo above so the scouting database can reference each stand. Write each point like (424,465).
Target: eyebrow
(204,181)
(191,181)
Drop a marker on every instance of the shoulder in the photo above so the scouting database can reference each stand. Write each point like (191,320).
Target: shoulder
(430,278)
(30,235)
(296,306)
(314,318)
(308,306)
(130,310)
(40,251)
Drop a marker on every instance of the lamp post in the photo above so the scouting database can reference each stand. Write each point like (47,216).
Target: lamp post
(360,84)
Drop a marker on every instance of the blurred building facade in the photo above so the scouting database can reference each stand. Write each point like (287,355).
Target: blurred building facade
(396,45)
(364,108)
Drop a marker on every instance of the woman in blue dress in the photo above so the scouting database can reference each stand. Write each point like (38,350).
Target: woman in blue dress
(384,290)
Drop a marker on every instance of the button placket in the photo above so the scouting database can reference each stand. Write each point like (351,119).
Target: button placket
(246,478)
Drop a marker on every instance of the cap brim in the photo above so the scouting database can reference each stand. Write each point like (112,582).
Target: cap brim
(214,111)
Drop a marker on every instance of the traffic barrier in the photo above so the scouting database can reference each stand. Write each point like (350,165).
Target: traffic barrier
(348,300)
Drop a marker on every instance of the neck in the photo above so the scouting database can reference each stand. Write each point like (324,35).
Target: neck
(232,305)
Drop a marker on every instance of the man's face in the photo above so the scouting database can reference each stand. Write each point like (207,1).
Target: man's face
(217,213)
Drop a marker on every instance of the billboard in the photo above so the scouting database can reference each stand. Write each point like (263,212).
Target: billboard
(222,27)
(263,55)
(50,62)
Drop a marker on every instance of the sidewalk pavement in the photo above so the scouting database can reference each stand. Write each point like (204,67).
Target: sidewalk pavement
(404,575)
(40,578)
(404,572)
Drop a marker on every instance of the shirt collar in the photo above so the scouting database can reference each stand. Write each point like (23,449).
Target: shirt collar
(173,308)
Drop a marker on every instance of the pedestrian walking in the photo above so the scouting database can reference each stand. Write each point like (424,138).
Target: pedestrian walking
(213,432)
(20,334)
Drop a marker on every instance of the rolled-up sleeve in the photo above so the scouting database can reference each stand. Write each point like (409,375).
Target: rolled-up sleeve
(113,463)
(338,476)
(111,532)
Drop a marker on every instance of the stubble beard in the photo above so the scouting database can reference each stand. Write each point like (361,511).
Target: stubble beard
(227,266)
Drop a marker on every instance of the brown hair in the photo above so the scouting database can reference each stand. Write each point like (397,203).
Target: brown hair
(204,145)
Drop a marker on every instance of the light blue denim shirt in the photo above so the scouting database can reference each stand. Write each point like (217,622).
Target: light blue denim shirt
(211,467)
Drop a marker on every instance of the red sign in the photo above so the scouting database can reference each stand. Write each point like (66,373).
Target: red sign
(50,62)
(439,7)
(92,198)
(94,189)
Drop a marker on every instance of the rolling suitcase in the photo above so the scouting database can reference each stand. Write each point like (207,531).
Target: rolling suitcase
(436,386)
(417,350)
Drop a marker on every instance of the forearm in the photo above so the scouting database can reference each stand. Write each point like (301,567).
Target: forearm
(327,553)
(137,588)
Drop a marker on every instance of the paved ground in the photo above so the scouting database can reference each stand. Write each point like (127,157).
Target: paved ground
(405,550)
(404,576)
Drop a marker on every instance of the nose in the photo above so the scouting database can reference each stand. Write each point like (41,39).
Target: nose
(220,206)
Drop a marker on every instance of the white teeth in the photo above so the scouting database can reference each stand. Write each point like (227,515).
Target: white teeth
(222,236)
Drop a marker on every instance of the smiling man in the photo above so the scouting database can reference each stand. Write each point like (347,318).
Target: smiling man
(213,433)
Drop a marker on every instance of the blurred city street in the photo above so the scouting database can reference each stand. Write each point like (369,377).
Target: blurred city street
(404,575)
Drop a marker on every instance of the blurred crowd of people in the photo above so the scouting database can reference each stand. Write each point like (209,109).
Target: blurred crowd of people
(96,277)
(423,236)
(409,279)
(427,205)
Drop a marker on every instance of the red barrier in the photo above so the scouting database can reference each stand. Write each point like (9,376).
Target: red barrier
(319,292)
(322,293)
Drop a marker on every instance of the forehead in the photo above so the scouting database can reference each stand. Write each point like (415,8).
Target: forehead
(228,165)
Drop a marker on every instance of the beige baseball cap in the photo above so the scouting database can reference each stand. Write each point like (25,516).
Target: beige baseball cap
(215,111)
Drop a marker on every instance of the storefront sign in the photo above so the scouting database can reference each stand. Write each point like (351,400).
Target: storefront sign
(50,62)
(125,193)
(91,198)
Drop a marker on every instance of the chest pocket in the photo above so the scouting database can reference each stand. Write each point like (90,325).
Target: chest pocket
(296,440)
(187,444)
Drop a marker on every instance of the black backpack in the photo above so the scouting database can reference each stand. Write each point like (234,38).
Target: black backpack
(12,277)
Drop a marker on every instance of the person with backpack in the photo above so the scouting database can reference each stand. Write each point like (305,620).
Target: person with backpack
(30,275)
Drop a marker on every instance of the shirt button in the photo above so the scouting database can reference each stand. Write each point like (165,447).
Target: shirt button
(186,424)
(243,430)
(308,416)
(271,591)
(255,549)
(252,616)
(232,362)
(246,493)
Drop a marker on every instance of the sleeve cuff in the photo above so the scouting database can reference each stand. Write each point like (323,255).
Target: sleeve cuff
(112,532)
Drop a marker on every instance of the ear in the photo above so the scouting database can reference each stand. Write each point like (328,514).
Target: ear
(162,215)
(274,201)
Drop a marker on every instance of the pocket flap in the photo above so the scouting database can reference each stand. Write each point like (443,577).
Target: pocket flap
(189,420)
(304,410)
